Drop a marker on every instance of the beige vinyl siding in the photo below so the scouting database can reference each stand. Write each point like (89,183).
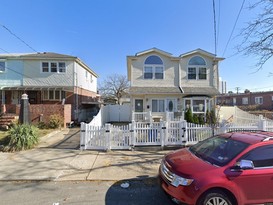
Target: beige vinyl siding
(185,82)
(170,73)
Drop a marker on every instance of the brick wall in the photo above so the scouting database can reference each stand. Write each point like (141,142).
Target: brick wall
(42,112)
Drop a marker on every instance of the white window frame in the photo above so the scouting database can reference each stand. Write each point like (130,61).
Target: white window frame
(198,70)
(200,108)
(59,69)
(53,95)
(160,105)
(245,100)
(259,100)
(5,66)
(234,101)
(153,71)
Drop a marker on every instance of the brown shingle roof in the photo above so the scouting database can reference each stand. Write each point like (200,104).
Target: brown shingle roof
(200,91)
(155,90)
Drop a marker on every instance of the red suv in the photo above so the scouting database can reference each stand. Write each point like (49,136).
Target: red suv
(228,169)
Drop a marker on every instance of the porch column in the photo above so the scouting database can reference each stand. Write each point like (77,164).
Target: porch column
(24,110)
(3,97)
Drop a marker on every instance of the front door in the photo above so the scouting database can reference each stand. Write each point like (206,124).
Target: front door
(171,105)
(138,105)
(32,96)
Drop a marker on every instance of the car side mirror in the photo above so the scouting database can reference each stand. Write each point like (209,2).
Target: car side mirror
(246,164)
(242,165)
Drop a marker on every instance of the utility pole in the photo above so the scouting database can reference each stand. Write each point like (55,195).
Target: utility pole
(237,90)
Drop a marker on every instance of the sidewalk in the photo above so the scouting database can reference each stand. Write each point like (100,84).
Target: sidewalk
(57,159)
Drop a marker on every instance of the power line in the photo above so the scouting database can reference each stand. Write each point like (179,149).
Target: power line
(234,27)
(214,23)
(20,39)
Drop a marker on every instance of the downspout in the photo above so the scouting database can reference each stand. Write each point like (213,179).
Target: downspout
(76,92)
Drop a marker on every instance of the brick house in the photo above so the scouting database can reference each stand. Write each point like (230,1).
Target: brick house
(258,100)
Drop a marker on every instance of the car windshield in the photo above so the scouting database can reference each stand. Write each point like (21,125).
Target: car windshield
(218,150)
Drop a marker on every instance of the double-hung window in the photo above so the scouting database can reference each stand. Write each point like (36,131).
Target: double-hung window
(53,67)
(2,66)
(197,69)
(192,73)
(158,105)
(245,101)
(258,100)
(153,68)
(62,68)
(45,67)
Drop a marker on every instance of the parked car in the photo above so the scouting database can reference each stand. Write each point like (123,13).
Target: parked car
(229,169)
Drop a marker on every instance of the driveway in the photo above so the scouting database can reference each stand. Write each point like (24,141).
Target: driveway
(67,138)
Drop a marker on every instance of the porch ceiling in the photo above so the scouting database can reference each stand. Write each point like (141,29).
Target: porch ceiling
(175,90)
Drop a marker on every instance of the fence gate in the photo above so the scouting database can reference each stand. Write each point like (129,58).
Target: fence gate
(145,134)
(175,133)
(135,134)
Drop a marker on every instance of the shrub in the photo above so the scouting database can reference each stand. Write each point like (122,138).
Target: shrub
(22,137)
(189,116)
(195,119)
(55,121)
(42,125)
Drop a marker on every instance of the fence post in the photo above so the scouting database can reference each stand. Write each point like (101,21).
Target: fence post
(108,136)
(133,133)
(133,116)
(183,128)
(262,123)
(223,126)
(163,132)
(83,136)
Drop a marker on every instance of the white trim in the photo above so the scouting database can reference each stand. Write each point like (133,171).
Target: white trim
(49,66)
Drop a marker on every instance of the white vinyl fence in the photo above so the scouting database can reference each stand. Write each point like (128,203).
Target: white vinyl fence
(172,133)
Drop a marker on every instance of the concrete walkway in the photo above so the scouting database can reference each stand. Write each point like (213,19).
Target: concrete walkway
(58,158)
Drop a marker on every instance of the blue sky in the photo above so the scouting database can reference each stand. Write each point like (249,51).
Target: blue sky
(103,32)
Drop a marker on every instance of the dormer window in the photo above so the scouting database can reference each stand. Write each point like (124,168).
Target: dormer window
(153,68)
(197,68)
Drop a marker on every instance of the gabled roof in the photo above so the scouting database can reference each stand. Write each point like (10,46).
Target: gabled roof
(156,50)
(202,52)
(36,55)
(47,55)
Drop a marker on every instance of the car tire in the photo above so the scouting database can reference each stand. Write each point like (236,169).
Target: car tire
(215,198)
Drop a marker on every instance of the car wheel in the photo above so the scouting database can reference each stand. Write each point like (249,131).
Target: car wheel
(215,198)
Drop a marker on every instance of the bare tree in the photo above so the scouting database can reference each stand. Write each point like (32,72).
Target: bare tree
(113,88)
(258,34)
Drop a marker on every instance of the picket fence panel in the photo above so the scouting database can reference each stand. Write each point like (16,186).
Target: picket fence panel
(172,133)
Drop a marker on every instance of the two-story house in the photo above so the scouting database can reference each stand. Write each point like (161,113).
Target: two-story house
(48,78)
(163,83)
